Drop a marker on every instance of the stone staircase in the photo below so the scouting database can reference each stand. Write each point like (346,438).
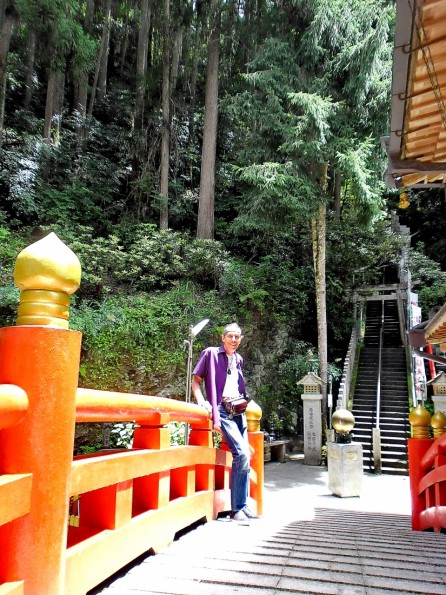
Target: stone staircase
(335,553)
(394,411)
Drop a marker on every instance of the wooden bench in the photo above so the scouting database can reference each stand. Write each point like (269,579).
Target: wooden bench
(275,451)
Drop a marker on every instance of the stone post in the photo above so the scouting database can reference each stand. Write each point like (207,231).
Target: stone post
(345,459)
(312,398)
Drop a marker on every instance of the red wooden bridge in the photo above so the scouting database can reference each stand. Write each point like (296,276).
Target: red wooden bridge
(123,503)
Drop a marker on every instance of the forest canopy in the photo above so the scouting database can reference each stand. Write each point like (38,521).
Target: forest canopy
(212,159)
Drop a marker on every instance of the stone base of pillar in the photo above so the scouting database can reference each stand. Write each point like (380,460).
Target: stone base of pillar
(345,469)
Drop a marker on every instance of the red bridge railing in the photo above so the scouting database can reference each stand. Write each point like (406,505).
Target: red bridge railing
(427,470)
(66,525)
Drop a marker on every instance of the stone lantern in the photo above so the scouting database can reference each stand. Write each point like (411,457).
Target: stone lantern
(439,392)
(312,397)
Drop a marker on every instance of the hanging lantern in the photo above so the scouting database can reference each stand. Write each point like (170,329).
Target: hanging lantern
(404,201)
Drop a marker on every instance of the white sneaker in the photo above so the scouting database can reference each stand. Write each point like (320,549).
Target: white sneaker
(239,516)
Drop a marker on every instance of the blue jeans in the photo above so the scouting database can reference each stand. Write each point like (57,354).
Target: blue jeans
(235,432)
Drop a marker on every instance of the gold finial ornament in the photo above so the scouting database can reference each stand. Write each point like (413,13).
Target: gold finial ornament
(420,419)
(438,423)
(47,273)
(403,200)
(253,416)
(343,421)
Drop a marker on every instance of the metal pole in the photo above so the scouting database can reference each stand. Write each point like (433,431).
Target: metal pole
(188,380)
(193,332)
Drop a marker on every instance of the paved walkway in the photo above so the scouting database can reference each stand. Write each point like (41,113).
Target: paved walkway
(308,541)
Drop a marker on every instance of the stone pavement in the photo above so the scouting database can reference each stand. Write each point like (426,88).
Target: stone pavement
(308,541)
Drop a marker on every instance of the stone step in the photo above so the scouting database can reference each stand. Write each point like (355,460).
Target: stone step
(334,552)
(364,406)
(391,435)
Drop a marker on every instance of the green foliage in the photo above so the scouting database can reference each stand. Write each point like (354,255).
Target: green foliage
(429,280)
(309,85)
(18,175)
(282,393)
(135,343)
(354,163)
(10,245)
(121,435)
(426,218)
(361,252)
(177,433)
(278,198)
(271,286)
(89,449)
(434,296)
(157,259)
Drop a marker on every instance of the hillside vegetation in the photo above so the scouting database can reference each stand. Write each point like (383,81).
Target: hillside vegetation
(212,159)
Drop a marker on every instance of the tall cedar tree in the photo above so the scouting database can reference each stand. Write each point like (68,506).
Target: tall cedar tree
(319,93)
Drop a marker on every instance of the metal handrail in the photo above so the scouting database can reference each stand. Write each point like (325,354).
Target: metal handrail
(378,385)
(349,363)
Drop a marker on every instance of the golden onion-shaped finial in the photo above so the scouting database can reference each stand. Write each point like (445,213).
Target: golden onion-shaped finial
(253,416)
(438,423)
(420,419)
(47,272)
(343,421)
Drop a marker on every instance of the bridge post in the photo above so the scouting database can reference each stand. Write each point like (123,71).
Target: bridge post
(156,492)
(41,356)
(417,447)
(256,441)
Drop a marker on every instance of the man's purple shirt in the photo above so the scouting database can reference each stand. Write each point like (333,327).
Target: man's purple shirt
(213,368)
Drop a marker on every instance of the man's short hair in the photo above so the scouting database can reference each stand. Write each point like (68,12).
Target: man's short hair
(232,328)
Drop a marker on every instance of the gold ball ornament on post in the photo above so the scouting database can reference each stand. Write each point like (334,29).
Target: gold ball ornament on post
(420,419)
(47,273)
(343,421)
(438,423)
(253,416)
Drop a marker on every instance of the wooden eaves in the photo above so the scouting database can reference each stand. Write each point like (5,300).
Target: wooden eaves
(416,146)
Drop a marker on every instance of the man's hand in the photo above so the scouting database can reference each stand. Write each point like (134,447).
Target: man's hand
(207,406)
(217,429)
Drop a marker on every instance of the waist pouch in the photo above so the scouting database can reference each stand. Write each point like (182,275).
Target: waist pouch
(235,407)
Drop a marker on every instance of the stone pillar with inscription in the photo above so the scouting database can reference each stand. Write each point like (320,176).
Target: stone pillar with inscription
(312,398)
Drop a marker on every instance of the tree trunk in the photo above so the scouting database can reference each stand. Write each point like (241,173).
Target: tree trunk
(193,82)
(81,79)
(337,194)
(49,106)
(176,54)
(141,63)
(164,177)
(318,229)
(205,224)
(59,93)
(101,61)
(6,32)
(89,16)
(2,12)
(103,70)
(125,43)
(30,56)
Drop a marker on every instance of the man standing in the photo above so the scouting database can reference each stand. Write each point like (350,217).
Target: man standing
(221,370)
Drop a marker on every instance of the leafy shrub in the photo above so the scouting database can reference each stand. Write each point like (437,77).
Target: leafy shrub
(155,259)
(177,433)
(135,343)
(121,434)
(100,258)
